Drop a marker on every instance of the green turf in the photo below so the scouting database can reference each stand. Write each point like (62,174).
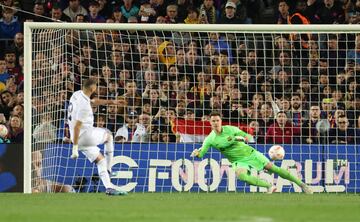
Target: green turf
(180,207)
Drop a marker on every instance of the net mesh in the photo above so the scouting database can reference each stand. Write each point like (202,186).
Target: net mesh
(296,90)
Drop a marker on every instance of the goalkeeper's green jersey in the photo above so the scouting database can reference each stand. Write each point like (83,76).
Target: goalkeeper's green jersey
(225,142)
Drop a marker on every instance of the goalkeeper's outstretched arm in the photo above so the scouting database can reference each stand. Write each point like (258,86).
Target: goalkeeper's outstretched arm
(242,136)
(195,153)
(203,149)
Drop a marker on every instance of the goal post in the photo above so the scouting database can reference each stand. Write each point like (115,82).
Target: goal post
(59,56)
(27,106)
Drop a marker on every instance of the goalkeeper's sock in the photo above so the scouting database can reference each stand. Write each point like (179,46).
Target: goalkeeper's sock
(109,152)
(253,180)
(285,174)
(103,174)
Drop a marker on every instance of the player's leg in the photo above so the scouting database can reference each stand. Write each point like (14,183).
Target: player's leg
(109,149)
(261,162)
(242,173)
(105,178)
(88,146)
(102,170)
(104,136)
(94,155)
(257,161)
(272,168)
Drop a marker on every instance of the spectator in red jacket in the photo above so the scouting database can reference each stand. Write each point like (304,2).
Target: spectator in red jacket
(282,131)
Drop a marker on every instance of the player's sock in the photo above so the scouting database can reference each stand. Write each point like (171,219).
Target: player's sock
(253,180)
(103,174)
(109,152)
(285,174)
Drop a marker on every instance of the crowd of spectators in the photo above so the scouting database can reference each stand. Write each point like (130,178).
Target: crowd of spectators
(281,86)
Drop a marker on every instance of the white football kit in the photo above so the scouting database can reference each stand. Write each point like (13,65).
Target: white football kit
(79,109)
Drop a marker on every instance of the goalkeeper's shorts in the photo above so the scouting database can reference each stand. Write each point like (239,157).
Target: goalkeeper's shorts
(255,160)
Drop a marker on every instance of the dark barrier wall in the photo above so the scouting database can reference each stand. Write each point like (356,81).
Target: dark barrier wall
(168,167)
(11,167)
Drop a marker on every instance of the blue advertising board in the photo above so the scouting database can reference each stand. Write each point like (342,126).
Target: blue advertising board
(169,168)
(11,167)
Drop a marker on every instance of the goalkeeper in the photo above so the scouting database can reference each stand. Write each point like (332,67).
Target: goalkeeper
(230,141)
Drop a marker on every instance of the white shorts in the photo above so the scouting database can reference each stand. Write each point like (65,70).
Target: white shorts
(89,141)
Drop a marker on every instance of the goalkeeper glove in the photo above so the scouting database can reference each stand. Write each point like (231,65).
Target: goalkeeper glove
(195,153)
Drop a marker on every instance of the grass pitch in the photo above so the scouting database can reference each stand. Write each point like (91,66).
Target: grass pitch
(180,207)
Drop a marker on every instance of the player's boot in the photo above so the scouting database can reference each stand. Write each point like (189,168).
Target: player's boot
(306,189)
(271,189)
(115,192)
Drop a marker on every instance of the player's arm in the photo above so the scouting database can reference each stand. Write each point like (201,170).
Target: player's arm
(75,151)
(203,150)
(199,152)
(242,136)
(101,102)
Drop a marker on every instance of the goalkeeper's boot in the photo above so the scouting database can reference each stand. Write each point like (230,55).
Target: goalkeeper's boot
(271,189)
(306,189)
(115,192)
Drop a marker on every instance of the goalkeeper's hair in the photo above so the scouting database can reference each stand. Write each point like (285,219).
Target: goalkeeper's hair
(89,82)
(215,113)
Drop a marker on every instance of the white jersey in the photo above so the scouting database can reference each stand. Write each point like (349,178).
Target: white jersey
(140,134)
(80,110)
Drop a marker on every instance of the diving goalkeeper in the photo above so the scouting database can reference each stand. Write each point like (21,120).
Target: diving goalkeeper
(230,141)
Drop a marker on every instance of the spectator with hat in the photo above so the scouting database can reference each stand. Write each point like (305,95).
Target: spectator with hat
(230,17)
(127,131)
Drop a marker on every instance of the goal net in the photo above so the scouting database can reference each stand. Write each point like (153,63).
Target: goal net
(285,85)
